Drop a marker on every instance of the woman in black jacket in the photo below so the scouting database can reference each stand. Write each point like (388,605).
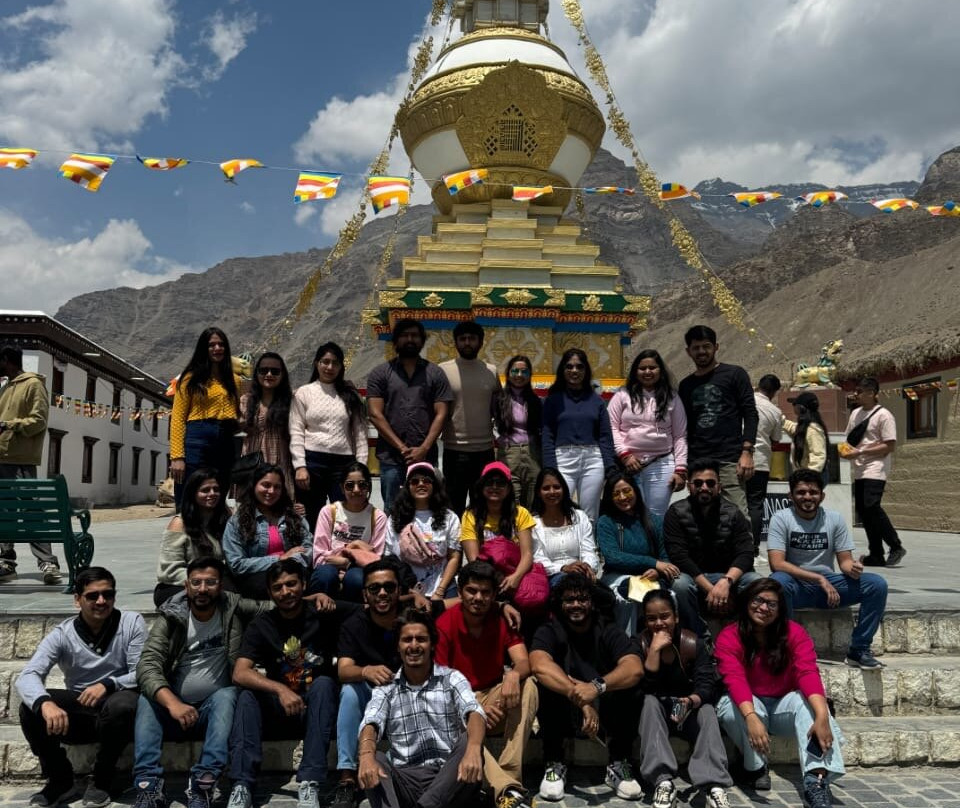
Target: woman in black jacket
(680,684)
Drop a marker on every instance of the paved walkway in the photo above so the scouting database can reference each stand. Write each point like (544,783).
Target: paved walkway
(860,788)
(927,578)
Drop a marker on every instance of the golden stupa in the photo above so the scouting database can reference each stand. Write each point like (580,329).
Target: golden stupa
(504,98)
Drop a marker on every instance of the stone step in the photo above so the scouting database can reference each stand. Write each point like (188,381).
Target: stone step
(904,631)
(913,741)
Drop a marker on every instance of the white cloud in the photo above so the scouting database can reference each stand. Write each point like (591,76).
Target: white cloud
(248,207)
(45,273)
(104,67)
(226,39)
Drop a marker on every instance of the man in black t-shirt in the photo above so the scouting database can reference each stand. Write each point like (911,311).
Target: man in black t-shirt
(588,672)
(295,644)
(721,414)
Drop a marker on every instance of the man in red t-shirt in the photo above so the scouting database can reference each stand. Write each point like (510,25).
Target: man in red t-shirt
(476,640)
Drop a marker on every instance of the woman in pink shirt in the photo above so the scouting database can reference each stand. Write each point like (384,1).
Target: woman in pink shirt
(649,428)
(769,667)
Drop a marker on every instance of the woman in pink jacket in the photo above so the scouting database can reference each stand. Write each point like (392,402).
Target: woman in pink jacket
(650,431)
(769,667)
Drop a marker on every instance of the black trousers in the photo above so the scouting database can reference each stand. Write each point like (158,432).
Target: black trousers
(619,721)
(756,494)
(867,495)
(460,471)
(110,723)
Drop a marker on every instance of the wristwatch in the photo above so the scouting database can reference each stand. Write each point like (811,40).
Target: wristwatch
(748,447)
(600,685)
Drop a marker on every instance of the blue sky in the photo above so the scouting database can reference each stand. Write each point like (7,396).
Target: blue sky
(756,92)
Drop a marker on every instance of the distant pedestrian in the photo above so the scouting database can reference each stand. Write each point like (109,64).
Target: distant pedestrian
(768,432)
(809,434)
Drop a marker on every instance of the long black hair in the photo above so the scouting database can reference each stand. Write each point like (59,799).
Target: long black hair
(200,368)
(640,512)
(247,508)
(774,643)
(663,389)
(197,529)
(278,414)
(560,383)
(807,413)
(405,507)
(508,508)
(566,501)
(347,392)
(503,409)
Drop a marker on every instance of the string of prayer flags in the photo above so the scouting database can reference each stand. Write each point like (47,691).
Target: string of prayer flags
(674,190)
(818,199)
(387,192)
(16,158)
(87,170)
(464,179)
(231,168)
(948,208)
(312,185)
(609,189)
(750,198)
(895,204)
(163,163)
(525,193)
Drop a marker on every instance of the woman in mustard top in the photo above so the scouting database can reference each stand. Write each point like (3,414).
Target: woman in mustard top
(205,412)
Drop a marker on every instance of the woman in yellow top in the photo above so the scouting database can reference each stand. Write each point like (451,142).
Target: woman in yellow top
(809,435)
(493,505)
(206,407)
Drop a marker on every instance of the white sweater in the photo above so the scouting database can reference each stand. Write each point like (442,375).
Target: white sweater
(319,422)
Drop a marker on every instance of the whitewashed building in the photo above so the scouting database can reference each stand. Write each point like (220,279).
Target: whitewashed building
(108,431)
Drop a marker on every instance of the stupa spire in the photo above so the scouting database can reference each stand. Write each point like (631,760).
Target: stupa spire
(475,15)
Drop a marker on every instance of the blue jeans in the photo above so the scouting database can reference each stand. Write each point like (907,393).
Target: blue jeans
(689,598)
(789,714)
(391,478)
(870,591)
(259,716)
(654,484)
(207,443)
(154,724)
(354,697)
(326,578)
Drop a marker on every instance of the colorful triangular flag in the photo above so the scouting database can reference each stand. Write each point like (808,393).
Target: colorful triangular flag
(163,163)
(674,190)
(231,168)
(387,192)
(464,179)
(87,170)
(524,193)
(312,185)
(16,158)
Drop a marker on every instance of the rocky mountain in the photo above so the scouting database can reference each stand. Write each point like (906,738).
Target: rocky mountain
(785,265)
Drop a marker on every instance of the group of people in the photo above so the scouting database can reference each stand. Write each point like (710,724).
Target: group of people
(542,572)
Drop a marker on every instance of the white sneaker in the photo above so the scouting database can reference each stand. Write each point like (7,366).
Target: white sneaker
(665,795)
(554,782)
(620,778)
(240,797)
(308,794)
(51,573)
(717,798)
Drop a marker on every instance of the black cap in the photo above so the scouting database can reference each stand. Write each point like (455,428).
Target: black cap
(808,400)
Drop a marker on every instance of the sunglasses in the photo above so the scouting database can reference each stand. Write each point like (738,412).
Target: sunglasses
(278,372)
(106,594)
(701,483)
(356,485)
(519,372)
(765,603)
(419,481)
(496,482)
(387,586)
(570,366)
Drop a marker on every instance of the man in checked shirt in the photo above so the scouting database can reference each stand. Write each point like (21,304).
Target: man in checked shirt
(433,723)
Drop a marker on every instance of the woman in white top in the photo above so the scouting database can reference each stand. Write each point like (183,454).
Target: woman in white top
(425,533)
(562,536)
(350,534)
(328,431)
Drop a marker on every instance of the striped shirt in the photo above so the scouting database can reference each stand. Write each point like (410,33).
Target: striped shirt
(422,723)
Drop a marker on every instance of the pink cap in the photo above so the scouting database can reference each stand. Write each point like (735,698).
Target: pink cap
(497,466)
(422,466)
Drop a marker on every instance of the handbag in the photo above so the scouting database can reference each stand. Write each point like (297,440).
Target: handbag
(242,469)
(856,435)
(414,550)
(534,588)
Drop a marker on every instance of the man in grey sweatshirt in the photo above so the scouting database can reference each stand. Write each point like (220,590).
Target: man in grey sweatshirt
(98,652)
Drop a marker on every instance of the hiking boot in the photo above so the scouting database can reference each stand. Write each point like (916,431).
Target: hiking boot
(512,799)
(345,795)
(863,659)
(717,798)
(150,794)
(895,556)
(53,793)
(51,573)
(240,797)
(620,778)
(665,794)
(816,791)
(95,797)
(554,782)
(308,794)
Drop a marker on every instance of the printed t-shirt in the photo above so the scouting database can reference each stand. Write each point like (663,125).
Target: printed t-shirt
(809,543)
(203,667)
(480,659)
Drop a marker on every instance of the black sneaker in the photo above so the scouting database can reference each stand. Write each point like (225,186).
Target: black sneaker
(95,797)
(150,794)
(816,791)
(8,571)
(53,793)
(872,561)
(345,795)
(757,780)
(895,556)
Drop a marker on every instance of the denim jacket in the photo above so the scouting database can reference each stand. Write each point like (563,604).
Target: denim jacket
(247,555)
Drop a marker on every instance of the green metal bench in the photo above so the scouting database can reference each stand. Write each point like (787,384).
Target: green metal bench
(40,511)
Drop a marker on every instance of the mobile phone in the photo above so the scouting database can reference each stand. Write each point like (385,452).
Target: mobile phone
(814,748)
